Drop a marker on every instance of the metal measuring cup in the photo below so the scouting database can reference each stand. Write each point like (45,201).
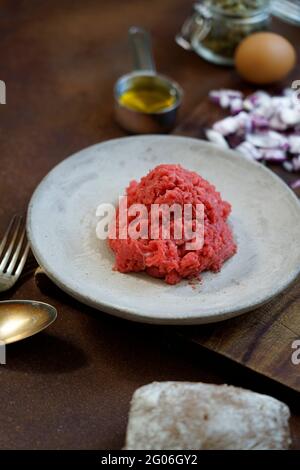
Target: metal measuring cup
(145,75)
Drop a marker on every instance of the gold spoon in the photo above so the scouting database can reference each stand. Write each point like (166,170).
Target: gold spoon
(20,319)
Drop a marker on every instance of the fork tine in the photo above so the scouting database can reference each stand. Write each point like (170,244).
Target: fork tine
(11,245)
(4,239)
(14,259)
(22,260)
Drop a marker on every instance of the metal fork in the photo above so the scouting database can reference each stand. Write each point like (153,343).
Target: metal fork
(13,253)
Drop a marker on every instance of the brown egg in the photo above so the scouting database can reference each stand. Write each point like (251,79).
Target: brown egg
(264,58)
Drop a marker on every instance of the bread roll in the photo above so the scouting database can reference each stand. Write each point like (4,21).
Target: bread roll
(195,416)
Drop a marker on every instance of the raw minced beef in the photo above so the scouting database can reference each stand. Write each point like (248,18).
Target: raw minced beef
(169,259)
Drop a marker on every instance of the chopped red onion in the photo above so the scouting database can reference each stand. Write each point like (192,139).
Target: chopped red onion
(259,99)
(224,97)
(226,126)
(290,116)
(292,165)
(296,163)
(294,143)
(273,155)
(232,124)
(276,123)
(296,130)
(261,127)
(288,166)
(288,92)
(295,184)
(259,122)
(224,102)
(235,139)
(216,138)
(236,105)
(249,151)
(268,139)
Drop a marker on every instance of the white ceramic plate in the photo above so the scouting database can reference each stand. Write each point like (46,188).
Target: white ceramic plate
(265,220)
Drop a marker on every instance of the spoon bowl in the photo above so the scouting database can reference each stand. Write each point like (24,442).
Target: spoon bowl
(20,319)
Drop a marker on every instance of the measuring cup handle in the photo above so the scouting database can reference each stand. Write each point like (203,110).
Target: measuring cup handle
(141,48)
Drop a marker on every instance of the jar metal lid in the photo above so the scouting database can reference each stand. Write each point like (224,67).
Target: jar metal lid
(287,10)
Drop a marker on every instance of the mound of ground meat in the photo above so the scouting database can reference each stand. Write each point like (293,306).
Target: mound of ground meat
(169,259)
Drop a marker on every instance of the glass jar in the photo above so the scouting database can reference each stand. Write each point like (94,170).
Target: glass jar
(218,26)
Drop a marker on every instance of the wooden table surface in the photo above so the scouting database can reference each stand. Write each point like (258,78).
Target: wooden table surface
(70,387)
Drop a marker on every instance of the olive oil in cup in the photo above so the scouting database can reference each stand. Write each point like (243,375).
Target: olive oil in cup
(145,101)
(148,99)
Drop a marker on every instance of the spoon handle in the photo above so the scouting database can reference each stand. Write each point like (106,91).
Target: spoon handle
(141,48)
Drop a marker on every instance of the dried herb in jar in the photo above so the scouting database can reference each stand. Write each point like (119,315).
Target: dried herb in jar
(239,7)
(230,21)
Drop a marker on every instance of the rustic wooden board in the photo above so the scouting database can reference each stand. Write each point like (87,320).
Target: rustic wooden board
(262,339)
